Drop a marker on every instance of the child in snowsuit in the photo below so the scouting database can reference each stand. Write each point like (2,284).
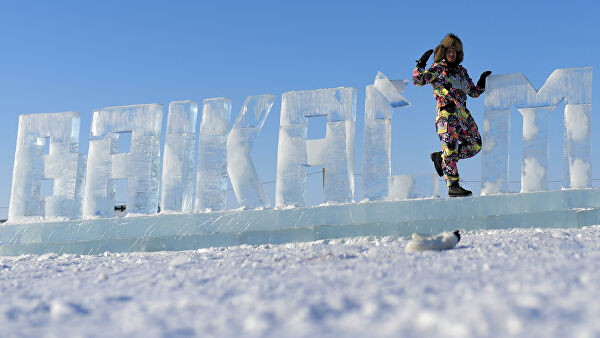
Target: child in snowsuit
(455,126)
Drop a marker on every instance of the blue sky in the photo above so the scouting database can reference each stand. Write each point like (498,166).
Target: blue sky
(60,56)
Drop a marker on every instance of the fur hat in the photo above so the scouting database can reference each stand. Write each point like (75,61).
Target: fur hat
(450,40)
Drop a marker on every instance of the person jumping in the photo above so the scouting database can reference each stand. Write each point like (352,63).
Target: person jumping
(454,124)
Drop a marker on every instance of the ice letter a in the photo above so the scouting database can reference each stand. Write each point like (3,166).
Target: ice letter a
(177,193)
(47,152)
(140,165)
(574,87)
(335,152)
(242,174)
(211,182)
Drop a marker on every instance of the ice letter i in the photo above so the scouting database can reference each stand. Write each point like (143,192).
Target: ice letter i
(211,182)
(178,162)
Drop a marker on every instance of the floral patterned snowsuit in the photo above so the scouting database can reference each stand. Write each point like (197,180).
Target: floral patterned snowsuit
(454,124)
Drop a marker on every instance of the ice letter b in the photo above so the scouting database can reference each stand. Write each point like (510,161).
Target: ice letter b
(335,152)
(574,87)
(211,182)
(62,167)
(177,193)
(140,166)
(242,174)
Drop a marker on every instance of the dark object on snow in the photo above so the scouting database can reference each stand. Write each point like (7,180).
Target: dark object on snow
(450,40)
(481,82)
(422,62)
(457,234)
(437,162)
(455,190)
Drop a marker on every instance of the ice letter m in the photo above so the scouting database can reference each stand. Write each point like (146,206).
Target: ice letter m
(574,87)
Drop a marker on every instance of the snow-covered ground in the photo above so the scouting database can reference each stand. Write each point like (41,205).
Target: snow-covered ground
(523,282)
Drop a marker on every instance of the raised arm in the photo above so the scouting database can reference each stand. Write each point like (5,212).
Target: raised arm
(476,90)
(421,76)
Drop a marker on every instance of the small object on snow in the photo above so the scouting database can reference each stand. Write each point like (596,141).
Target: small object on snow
(101,277)
(443,241)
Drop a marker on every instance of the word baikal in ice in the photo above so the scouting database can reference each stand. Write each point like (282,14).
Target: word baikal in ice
(84,185)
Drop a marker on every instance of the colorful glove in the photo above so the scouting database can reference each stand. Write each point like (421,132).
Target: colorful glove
(422,62)
(481,82)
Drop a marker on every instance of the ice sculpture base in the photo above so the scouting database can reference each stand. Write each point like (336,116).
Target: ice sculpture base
(563,209)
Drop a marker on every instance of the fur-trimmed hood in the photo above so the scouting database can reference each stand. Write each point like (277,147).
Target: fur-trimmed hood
(450,40)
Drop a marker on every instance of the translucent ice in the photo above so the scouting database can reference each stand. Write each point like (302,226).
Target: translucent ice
(392,90)
(574,87)
(546,209)
(378,182)
(534,168)
(244,179)
(335,152)
(140,166)
(376,166)
(178,173)
(211,181)
(578,146)
(62,167)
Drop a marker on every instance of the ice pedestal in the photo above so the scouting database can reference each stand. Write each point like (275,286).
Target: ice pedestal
(549,209)
(62,167)
(140,166)
(572,86)
(177,193)
(335,152)
(244,179)
(211,179)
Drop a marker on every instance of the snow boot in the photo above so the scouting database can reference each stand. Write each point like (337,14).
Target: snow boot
(455,190)
(437,162)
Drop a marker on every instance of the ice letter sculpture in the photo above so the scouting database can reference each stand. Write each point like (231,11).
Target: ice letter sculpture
(140,166)
(246,183)
(62,167)
(178,173)
(211,182)
(380,98)
(335,152)
(574,87)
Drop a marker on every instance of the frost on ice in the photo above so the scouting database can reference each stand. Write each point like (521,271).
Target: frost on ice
(47,151)
(140,166)
(534,168)
(211,181)
(378,182)
(177,193)
(335,152)
(244,179)
(574,87)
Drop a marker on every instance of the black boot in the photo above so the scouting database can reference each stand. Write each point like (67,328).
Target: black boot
(455,190)
(437,162)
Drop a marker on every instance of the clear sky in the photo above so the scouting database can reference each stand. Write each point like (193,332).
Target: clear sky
(60,56)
